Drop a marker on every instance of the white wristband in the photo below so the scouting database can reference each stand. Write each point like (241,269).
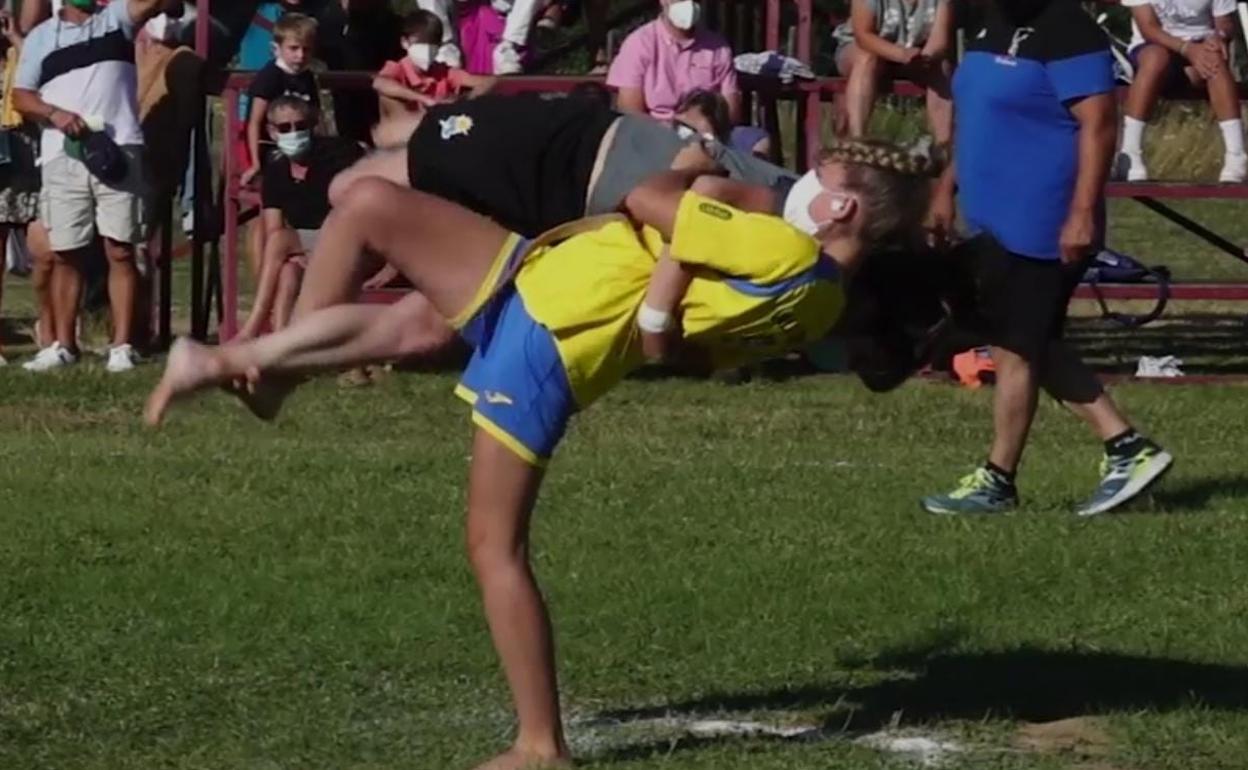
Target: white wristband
(653,321)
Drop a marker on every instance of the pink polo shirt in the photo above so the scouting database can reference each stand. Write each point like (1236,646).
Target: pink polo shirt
(665,68)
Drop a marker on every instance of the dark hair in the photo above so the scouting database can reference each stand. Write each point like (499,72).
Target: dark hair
(713,106)
(289,102)
(593,91)
(423,26)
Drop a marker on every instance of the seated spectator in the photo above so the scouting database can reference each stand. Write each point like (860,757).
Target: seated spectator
(418,80)
(669,57)
(92,164)
(295,203)
(448,46)
(1177,44)
(289,74)
(885,39)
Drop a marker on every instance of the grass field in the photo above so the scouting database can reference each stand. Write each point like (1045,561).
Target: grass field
(226,594)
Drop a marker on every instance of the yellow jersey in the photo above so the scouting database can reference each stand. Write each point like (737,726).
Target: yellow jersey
(760,288)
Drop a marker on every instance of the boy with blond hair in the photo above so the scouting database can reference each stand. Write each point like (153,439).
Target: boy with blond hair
(289,74)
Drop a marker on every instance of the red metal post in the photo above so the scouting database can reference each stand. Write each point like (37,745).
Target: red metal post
(203,26)
(805,29)
(773,25)
(229,255)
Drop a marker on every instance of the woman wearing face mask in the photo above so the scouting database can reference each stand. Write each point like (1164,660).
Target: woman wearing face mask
(419,80)
(556,323)
(295,203)
(669,57)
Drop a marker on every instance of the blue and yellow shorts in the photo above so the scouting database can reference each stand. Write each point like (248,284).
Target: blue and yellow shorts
(515,381)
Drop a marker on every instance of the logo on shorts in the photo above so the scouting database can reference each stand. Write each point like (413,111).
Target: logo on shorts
(719,212)
(494,397)
(456,125)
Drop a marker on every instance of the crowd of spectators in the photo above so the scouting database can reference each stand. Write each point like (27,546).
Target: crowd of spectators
(86,195)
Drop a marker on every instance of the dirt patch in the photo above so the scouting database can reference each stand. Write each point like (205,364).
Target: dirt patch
(1082,739)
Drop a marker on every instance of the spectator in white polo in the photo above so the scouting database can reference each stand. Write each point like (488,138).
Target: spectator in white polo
(77,78)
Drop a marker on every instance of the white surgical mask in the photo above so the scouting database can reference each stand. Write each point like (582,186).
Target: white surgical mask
(293,144)
(797,205)
(422,55)
(684,14)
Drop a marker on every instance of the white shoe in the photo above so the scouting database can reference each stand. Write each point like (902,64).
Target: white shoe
(1234,169)
(54,356)
(120,359)
(507,60)
(1130,167)
(4,361)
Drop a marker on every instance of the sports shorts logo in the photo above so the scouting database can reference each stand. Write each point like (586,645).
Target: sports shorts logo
(456,125)
(494,397)
(719,212)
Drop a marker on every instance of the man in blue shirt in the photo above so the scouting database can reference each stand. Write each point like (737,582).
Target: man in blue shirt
(1035,138)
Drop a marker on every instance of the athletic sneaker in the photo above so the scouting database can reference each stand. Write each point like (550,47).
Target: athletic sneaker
(984,491)
(120,359)
(1234,169)
(1125,477)
(507,60)
(54,356)
(1130,167)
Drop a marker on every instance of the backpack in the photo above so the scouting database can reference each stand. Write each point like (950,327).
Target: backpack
(1112,267)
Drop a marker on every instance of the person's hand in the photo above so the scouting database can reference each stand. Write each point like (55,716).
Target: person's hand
(1078,235)
(941,218)
(1217,44)
(69,123)
(249,175)
(911,57)
(1207,61)
(9,29)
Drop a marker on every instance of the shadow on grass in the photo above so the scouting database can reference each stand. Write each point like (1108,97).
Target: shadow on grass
(1195,495)
(1024,684)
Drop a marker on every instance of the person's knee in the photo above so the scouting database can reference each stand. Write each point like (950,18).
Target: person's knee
(366,197)
(489,551)
(866,65)
(118,252)
(1010,364)
(1153,61)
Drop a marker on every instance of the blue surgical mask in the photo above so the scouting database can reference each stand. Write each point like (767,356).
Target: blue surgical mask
(294,144)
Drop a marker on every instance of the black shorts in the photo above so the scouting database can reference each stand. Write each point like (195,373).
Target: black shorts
(524,161)
(1020,302)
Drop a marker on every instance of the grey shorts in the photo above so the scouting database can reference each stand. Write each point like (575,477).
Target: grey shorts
(75,206)
(640,149)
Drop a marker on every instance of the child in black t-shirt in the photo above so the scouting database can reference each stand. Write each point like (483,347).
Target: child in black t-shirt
(295,203)
(289,74)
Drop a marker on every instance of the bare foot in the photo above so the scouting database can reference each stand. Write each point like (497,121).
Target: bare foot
(190,367)
(516,760)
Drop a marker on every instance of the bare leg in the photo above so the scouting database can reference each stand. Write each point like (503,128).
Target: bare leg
(41,281)
(255,247)
(1223,94)
(860,91)
(940,105)
(501,494)
(278,249)
(1150,76)
(123,288)
(287,292)
(445,250)
(1067,379)
(1013,408)
(390,165)
(66,294)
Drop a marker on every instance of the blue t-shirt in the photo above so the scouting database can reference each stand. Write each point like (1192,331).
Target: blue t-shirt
(1016,140)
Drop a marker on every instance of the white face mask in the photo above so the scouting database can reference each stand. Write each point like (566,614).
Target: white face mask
(801,197)
(422,55)
(294,144)
(684,14)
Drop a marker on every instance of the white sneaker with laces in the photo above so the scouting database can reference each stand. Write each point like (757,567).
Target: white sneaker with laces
(54,356)
(1234,169)
(120,359)
(507,60)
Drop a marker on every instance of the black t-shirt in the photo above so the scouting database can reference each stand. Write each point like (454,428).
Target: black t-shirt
(272,81)
(525,161)
(305,203)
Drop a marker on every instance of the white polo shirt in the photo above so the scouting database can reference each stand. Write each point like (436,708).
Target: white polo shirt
(87,69)
(1185,19)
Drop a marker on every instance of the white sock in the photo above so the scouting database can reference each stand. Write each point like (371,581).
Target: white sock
(1133,136)
(1232,136)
